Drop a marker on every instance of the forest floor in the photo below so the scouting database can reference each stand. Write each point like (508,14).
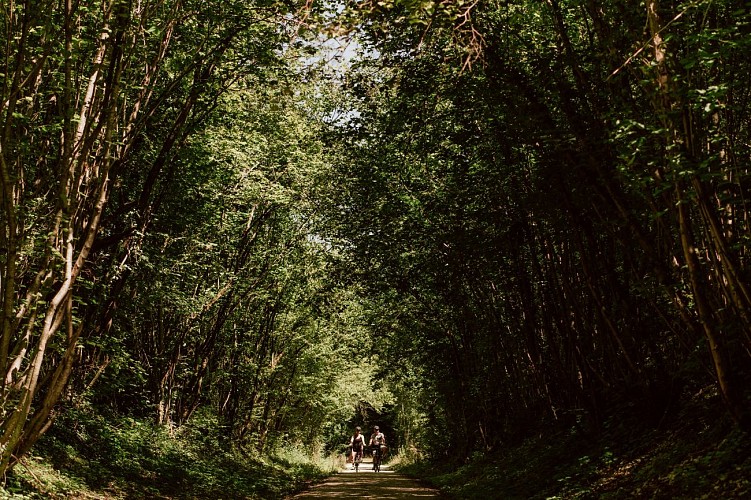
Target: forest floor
(696,454)
(87,455)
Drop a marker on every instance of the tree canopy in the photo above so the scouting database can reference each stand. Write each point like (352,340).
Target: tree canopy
(480,219)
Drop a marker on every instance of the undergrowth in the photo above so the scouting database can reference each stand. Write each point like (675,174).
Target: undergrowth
(89,456)
(696,455)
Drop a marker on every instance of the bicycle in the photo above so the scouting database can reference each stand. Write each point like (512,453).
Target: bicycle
(376,459)
(357,460)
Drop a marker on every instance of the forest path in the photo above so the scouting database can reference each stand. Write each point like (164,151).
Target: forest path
(367,484)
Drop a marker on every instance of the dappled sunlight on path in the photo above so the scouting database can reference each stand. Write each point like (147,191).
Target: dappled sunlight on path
(368,484)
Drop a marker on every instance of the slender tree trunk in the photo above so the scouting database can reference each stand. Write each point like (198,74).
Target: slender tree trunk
(679,142)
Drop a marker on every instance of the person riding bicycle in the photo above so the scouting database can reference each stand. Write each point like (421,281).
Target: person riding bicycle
(357,442)
(377,443)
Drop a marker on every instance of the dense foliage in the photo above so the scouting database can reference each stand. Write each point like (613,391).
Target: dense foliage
(157,255)
(559,234)
(499,217)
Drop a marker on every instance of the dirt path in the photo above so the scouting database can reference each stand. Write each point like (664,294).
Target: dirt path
(368,484)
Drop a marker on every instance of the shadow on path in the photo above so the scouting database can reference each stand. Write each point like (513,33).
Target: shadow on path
(368,484)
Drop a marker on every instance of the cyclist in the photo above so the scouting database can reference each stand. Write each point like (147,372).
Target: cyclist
(357,442)
(377,444)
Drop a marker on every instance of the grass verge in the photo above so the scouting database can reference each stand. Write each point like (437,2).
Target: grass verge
(87,456)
